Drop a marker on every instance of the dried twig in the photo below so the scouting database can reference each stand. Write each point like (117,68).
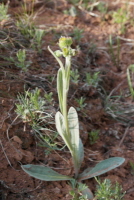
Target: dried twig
(5,154)
(125,133)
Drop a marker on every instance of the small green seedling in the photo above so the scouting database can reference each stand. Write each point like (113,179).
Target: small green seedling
(93,136)
(77,189)
(30,32)
(26,28)
(67,125)
(107,191)
(72,11)
(102,7)
(77,34)
(19,60)
(121,16)
(48,97)
(74,76)
(130,78)
(3,12)
(39,33)
(36,41)
(81,103)
(115,51)
(92,80)
(22,63)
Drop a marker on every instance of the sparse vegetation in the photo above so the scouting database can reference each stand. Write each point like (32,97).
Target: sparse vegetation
(67,125)
(81,103)
(108,191)
(92,80)
(98,85)
(74,76)
(21,60)
(3,12)
(130,74)
(121,16)
(33,110)
(77,35)
(114,51)
(93,136)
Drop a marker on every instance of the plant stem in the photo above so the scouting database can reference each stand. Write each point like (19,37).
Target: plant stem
(65,105)
(130,83)
(66,80)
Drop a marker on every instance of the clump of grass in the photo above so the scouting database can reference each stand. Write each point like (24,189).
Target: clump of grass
(130,78)
(27,28)
(81,103)
(31,107)
(121,16)
(93,136)
(3,12)
(48,97)
(77,34)
(30,32)
(120,111)
(74,76)
(92,79)
(77,189)
(34,110)
(102,7)
(107,191)
(115,51)
(21,60)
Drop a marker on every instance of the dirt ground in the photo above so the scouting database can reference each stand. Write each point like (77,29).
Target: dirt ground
(109,107)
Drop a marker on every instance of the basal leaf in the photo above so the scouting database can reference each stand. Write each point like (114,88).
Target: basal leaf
(44,173)
(101,168)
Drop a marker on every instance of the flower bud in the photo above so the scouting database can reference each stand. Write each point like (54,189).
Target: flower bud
(65,52)
(58,53)
(65,42)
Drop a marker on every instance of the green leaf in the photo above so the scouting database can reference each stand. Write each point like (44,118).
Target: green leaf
(44,173)
(88,193)
(101,168)
(73,128)
(81,151)
(59,120)
(77,146)
(60,88)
